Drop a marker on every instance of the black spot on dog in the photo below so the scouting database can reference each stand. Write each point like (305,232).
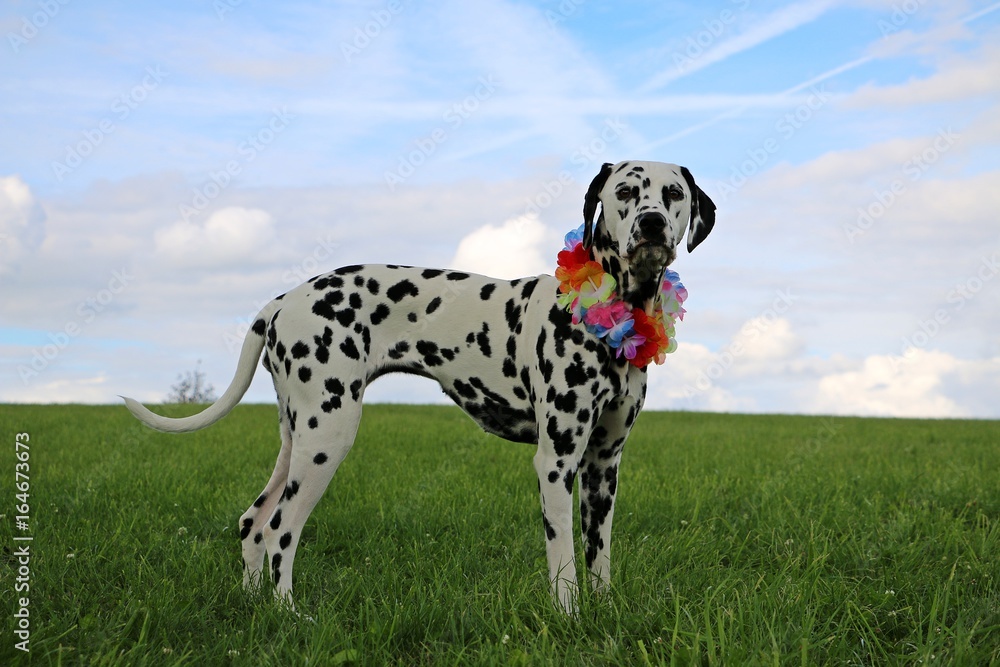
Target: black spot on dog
(379,314)
(349,349)
(429,351)
(509,368)
(260,500)
(299,350)
(431,273)
(550,532)
(565,402)
(322,354)
(528,289)
(325,307)
(433,305)
(487,291)
(344,270)
(465,390)
(304,374)
(276,519)
(372,286)
(275,564)
(320,459)
(291,489)
(334,386)
(333,403)
(258,536)
(512,313)
(400,290)
(354,300)
(313,422)
(345,317)
(359,281)
(323,345)
(456,275)
(544,365)
(247,526)
(568,481)
(285,540)
(576,373)
(327,282)
(356,390)
(259,326)
(483,339)
(412,317)
(562,441)
(398,350)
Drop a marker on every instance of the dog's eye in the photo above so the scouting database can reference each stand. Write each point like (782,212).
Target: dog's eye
(676,194)
(623,193)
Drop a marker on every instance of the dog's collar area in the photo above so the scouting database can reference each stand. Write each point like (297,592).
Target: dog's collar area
(588,292)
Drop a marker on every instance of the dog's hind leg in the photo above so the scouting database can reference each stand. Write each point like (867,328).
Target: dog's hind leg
(253,520)
(319,445)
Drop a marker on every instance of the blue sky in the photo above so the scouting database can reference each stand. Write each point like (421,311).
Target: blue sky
(166,169)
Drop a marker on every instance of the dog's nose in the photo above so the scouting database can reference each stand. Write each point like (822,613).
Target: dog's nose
(652,225)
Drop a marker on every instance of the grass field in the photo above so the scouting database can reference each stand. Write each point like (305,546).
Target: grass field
(738,540)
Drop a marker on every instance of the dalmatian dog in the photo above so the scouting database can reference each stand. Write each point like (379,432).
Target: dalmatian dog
(503,350)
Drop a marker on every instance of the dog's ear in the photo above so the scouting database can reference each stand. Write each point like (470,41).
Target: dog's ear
(702,212)
(590,202)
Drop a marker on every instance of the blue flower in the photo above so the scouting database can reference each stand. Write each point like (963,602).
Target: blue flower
(574,238)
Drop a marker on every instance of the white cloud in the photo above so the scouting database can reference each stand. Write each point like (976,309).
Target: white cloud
(764,348)
(774,373)
(230,235)
(923,383)
(957,79)
(520,247)
(22,222)
(63,390)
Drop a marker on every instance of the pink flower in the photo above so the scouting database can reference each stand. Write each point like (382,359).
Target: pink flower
(608,314)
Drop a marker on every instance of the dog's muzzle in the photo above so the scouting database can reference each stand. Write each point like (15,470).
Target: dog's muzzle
(652,252)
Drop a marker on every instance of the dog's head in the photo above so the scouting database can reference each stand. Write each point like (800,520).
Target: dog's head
(645,209)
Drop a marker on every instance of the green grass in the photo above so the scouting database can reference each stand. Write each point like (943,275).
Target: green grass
(738,540)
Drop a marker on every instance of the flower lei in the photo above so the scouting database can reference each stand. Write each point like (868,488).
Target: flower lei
(589,295)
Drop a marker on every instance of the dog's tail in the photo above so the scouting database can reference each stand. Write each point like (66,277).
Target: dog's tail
(245,368)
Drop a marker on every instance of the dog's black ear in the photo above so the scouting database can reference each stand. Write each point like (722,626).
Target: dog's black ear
(702,212)
(590,202)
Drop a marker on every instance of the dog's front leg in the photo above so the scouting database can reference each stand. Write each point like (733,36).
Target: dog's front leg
(556,463)
(599,485)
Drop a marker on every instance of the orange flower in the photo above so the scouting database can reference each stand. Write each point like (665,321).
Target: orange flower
(656,343)
(575,268)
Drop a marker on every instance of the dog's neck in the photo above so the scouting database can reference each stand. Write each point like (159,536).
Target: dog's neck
(638,280)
